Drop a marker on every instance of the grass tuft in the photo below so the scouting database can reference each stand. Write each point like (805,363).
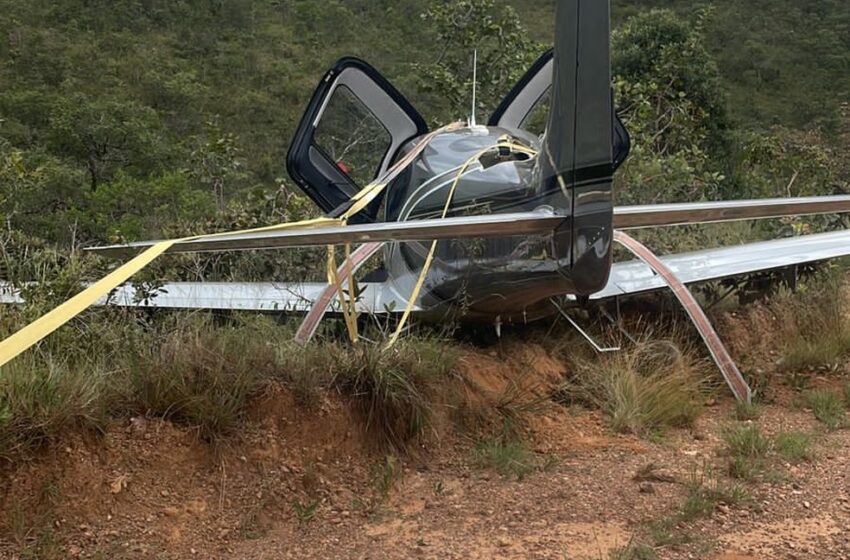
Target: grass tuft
(634,551)
(747,448)
(706,492)
(746,441)
(384,475)
(305,512)
(516,402)
(393,388)
(794,446)
(828,407)
(745,468)
(815,328)
(308,371)
(510,458)
(747,411)
(200,376)
(666,533)
(650,386)
(39,400)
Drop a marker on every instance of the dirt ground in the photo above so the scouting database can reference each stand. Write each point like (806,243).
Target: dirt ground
(306,483)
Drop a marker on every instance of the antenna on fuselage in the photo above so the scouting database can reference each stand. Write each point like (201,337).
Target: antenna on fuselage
(472,123)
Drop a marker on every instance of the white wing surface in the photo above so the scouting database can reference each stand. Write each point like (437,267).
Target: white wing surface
(631,277)
(634,277)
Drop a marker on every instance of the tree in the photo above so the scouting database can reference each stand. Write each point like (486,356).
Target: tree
(105,133)
(37,193)
(662,58)
(215,160)
(668,91)
(505,52)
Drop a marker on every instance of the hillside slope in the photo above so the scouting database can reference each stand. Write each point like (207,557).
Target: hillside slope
(783,62)
(148,118)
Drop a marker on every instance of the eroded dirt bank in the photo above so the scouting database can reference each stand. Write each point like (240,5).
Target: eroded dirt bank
(306,482)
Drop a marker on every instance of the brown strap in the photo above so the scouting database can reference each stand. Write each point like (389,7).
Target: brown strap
(311,322)
(712,340)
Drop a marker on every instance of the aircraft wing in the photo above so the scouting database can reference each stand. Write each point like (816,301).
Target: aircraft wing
(633,277)
(627,278)
(500,225)
(662,215)
(282,297)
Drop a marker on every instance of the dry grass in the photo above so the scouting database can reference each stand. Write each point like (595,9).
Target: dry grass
(814,322)
(308,371)
(650,386)
(41,399)
(394,389)
(747,411)
(200,376)
(201,371)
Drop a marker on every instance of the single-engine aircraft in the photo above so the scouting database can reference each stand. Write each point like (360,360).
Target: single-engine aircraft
(524,217)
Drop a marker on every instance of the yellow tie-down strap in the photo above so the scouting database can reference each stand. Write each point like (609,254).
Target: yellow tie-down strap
(30,335)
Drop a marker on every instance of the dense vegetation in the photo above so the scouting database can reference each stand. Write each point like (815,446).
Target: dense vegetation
(781,62)
(141,118)
(150,118)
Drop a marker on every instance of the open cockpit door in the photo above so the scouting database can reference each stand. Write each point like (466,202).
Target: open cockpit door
(353,128)
(526,106)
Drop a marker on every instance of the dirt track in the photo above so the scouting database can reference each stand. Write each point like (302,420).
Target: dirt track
(587,506)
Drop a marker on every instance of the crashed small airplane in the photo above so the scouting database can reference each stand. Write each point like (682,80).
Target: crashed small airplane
(530,217)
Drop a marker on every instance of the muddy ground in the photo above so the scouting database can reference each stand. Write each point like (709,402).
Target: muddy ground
(307,482)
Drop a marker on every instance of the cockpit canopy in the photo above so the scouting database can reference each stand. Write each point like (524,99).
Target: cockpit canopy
(357,123)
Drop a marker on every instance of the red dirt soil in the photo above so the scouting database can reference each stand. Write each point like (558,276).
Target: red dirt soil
(150,489)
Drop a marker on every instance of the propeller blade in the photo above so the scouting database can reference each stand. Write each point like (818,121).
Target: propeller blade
(661,215)
(491,225)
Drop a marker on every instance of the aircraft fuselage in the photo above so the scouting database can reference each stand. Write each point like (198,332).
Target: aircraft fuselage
(510,277)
